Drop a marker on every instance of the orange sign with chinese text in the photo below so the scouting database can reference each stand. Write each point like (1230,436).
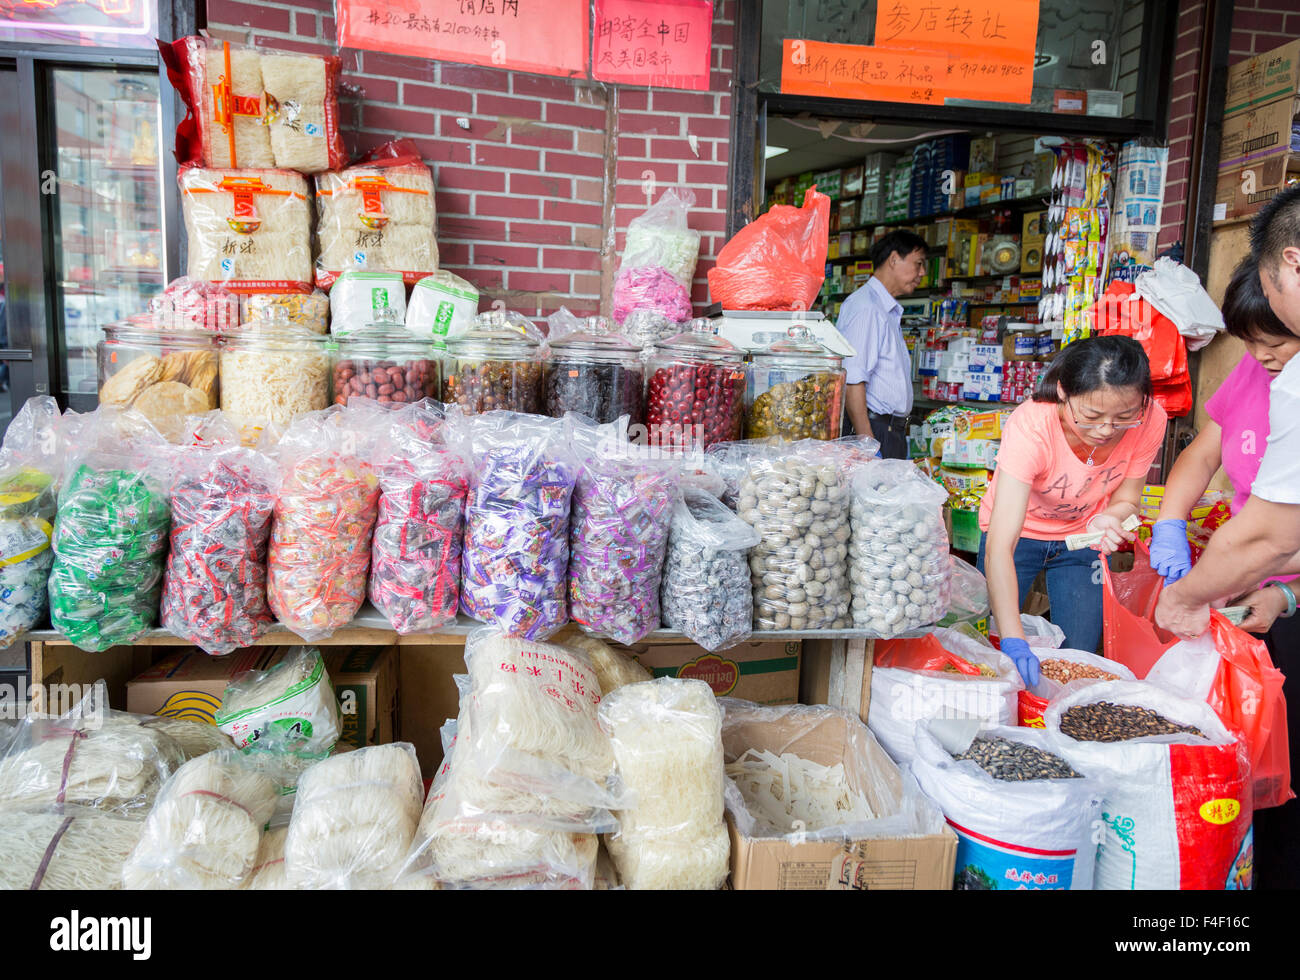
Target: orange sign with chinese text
(857,71)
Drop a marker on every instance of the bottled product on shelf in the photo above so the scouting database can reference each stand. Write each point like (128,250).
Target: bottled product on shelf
(595,373)
(274,373)
(795,390)
(163,375)
(387,363)
(494,366)
(696,391)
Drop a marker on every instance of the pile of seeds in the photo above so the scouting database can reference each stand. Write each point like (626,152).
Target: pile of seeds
(1002,758)
(1106,722)
(1064,671)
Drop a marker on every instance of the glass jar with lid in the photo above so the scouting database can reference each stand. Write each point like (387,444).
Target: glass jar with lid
(494,366)
(274,372)
(164,374)
(796,389)
(597,373)
(696,392)
(386,362)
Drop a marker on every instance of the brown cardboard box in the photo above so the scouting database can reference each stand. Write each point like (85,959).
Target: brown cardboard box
(1242,192)
(906,863)
(764,672)
(189,684)
(1255,133)
(428,698)
(1264,78)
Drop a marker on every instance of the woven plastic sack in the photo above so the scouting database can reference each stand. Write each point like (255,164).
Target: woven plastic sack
(777,261)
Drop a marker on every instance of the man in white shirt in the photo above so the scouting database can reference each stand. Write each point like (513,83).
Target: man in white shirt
(879,383)
(1264,538)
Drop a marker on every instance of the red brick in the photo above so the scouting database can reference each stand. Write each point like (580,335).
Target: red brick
(304,24)
(477,79)
(350,59)
(723,34)
(469,179)
(1186,62)
(328,28)
(437,97)
(505,206)
(719,81)
(507,157)
(449,203)
(539,282)
(572,259)
(630,193)
(648,124)
(486,279)
(582,116)
(473,229)
(680,150)
(633,170)
(593,143)
(396,65)
(633,98)
(1258,21)
(541,185)
(574,165)
(549,234)
(542,86)
(705,173)
(502,105)
(1177,171)
(1181,129)
(722,152)
(547,137)
(402,121)
(453,254)
(572,212)
(1243,41)
(589,190)
(709,221)
(628,147)
(588,236)
(1292,28)
(378,90)
(715,128)
(587,286)
(441,150)
(258,16)
(692,103)
(512,255)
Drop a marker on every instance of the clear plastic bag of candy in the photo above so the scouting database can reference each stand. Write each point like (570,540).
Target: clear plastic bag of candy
(110,534)
(416,555)
(324,516)
(622,510)
(30,468)
(516,552)
(214,583)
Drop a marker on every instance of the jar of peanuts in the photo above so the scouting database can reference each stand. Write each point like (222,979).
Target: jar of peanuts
(494,366)
(695,395)
(387,363)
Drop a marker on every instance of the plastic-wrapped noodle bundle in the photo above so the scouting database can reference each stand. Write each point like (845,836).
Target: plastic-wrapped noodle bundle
(30,464)
(110,535)
(214,586)
(268,866)
(291,707)
(64,848)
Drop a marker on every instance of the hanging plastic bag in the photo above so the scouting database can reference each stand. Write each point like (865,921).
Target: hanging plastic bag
(324,516)
(1128,603)
(1040,633)
(777,261)
(31,465)
(659,259)
(1176,291)
(292,705)
(110,535)
(706,592)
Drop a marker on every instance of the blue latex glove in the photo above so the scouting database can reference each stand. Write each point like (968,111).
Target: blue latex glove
(1171,553)
(1025,659)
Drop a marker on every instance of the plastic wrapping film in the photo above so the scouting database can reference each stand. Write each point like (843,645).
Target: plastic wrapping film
(658,261)
(899,566)
(309,311)
(516,548)
(706,591)
(291,706)
(31,466)
(249,230)
(613,669)
(324,518)
(110,533)
(354,819)
(64,848)
(192,304)
(667,741)
(378,214)
(205,829)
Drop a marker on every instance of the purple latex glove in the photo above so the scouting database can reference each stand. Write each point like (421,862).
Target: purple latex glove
(1026,660)
(1171,553)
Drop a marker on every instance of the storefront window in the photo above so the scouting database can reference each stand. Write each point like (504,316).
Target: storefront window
(105,23)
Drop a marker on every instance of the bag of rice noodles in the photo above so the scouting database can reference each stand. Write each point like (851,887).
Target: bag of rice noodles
(249,230)
(302,110)
(354,818)
(613,668)
(292,704)
(378,214)
(206,827)
(221,84)
(195,738)
(268,867)
(64,848)
(667,740)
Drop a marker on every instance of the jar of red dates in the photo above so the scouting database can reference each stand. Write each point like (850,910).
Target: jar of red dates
(595,372)
(386,363)
(494,366)
(696,393)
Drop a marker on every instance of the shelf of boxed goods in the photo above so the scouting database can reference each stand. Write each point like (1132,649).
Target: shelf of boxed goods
(834,664)
(972,211)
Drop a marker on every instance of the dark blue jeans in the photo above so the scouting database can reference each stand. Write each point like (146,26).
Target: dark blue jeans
(1073,586)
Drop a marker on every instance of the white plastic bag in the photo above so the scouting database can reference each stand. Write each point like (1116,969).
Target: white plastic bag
(442,305)
(1176,291)
(292,704)
(1187,668)
(1039,632)
(659,258)
(359,294)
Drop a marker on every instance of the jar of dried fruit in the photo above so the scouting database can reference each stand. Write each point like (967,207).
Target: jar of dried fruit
(597,373)
(696,393)
(494,366)
(796,390)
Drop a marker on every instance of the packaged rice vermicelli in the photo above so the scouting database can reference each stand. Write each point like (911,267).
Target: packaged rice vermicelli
(249,230)
(302,111)
(378,215)
(222,85)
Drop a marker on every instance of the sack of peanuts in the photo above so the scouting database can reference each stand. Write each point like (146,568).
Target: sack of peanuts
(1022,815)
(1177,795)
(1062,671)
(944,674)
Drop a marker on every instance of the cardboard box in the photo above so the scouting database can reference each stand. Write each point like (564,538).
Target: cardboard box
(189,684)
(764,672)
(1256,133)
(1264,78)
(897,863)
(1020,346)
(1070,101)
(1241,193)
(428,698)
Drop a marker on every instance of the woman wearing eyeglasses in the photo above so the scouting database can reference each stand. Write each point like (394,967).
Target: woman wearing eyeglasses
(1073,460)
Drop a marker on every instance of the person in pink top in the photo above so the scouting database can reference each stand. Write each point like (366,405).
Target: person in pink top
(1072,461)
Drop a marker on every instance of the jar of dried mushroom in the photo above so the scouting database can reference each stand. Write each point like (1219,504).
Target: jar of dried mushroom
(597,373)
(274,373)
(164,374)
(795,390)
(494,366)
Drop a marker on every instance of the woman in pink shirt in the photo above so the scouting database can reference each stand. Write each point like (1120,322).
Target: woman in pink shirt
(1234,438)
(1072,461)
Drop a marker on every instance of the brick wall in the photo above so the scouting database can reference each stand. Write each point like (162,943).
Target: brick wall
(537,177)
(1261,25)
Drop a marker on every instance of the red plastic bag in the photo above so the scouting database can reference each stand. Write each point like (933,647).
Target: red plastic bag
(1175,397)
(1121,311)
(777,261)
(1128,603)
(921,653)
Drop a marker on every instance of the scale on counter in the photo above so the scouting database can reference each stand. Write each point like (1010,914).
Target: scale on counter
(754,330)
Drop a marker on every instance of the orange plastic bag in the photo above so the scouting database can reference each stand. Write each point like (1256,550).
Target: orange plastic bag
(1128,603)
(777,261)
(921,653)
(1121,311)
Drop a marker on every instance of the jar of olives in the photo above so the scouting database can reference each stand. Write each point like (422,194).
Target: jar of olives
(494,366)
(696,393)
(597,373)
(796,390)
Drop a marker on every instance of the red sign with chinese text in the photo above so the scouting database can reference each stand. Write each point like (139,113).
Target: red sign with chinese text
(858,71)
(664,43)
(547,37)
